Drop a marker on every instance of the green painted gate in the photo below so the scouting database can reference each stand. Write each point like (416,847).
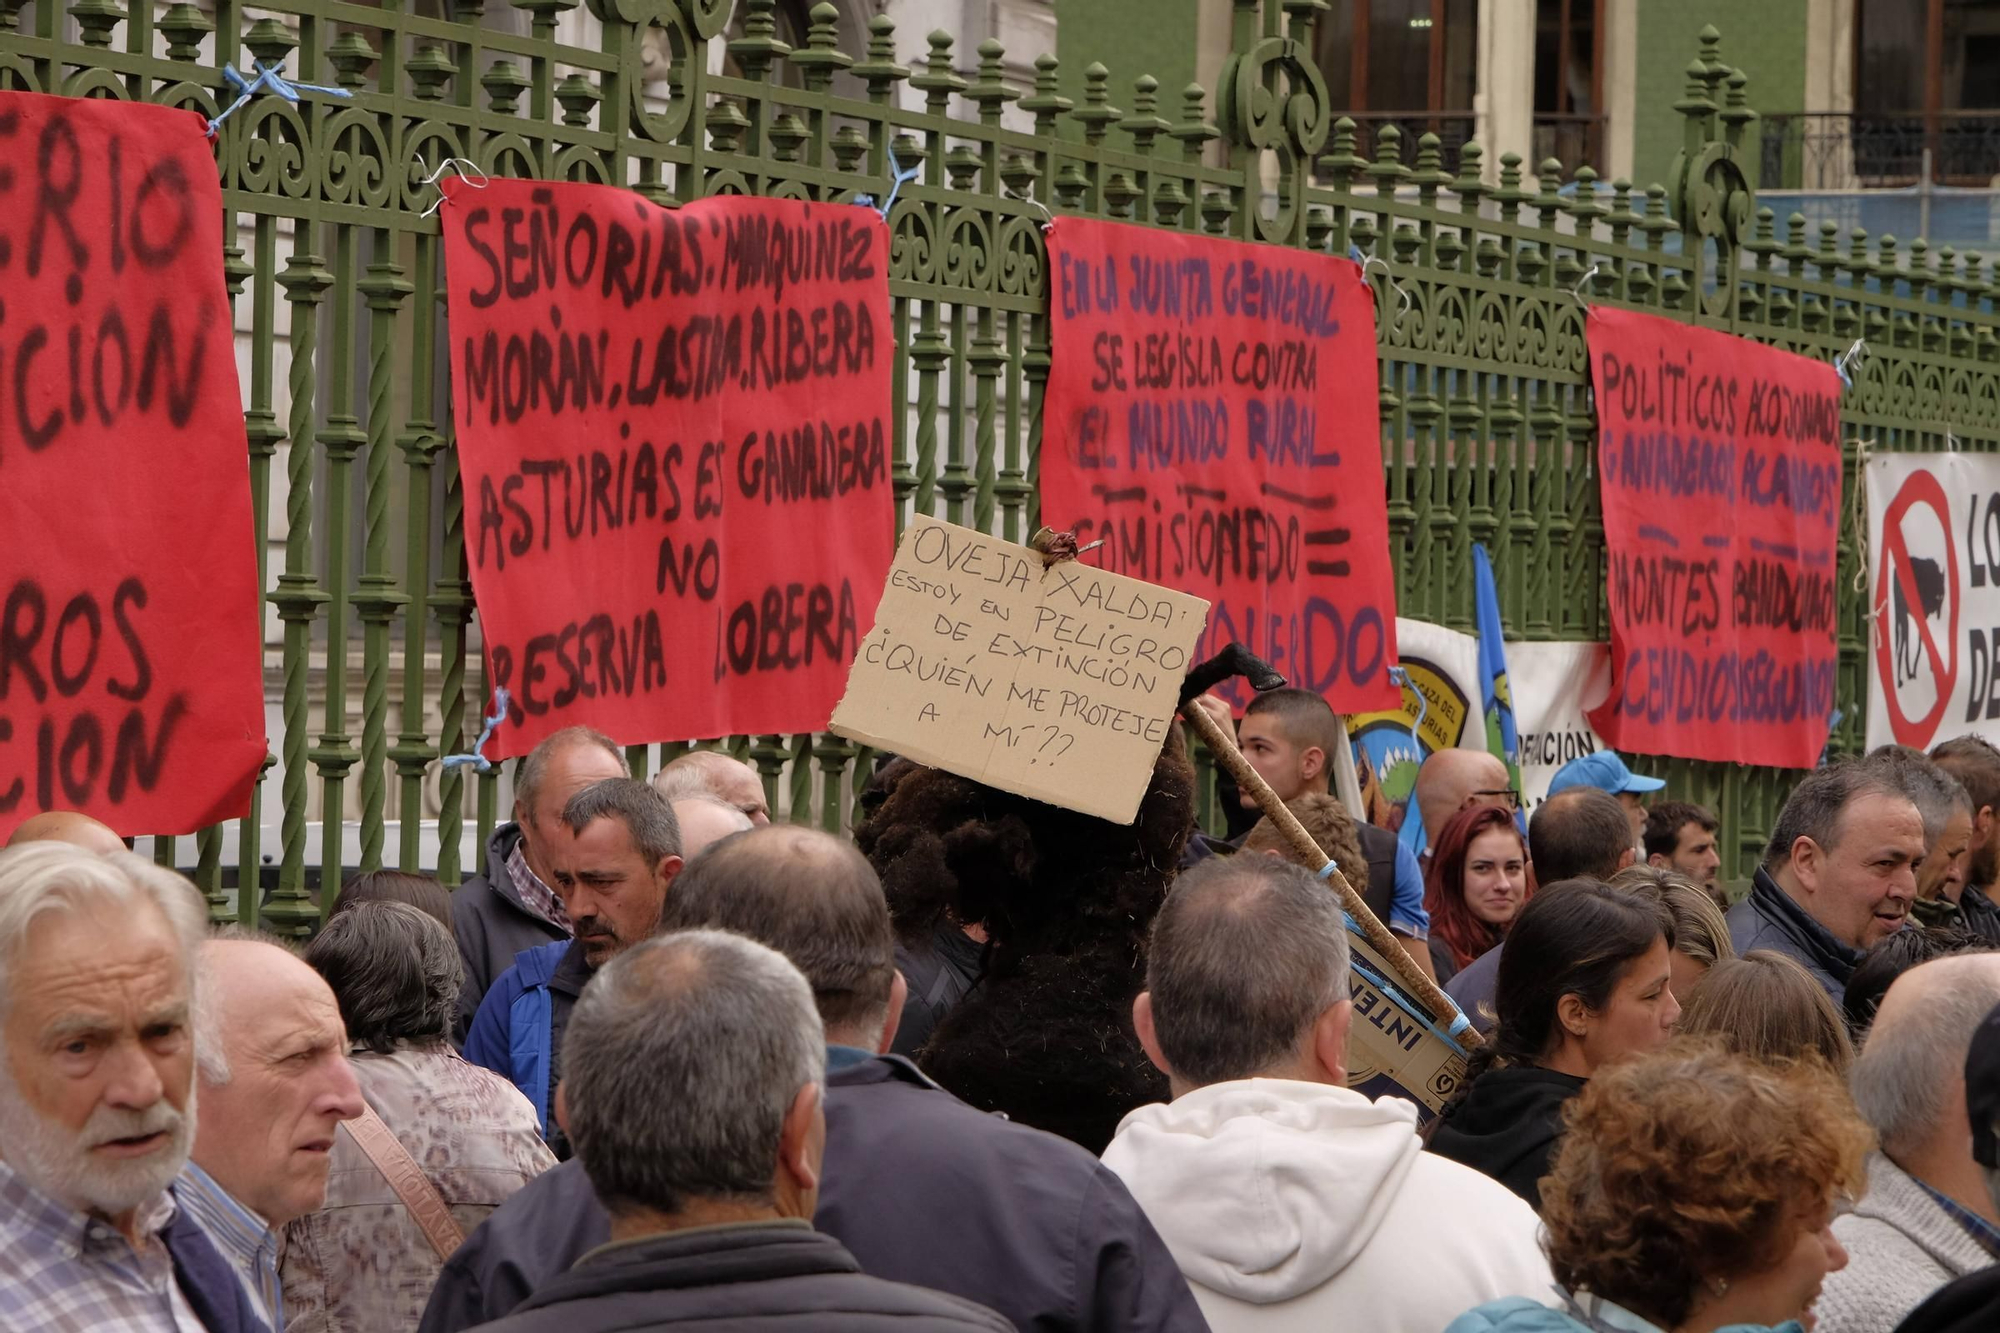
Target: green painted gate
(335,270)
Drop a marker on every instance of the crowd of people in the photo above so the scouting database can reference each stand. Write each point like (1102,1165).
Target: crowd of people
(988,1064)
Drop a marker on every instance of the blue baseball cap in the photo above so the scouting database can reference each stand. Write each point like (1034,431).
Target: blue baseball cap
(1604,771)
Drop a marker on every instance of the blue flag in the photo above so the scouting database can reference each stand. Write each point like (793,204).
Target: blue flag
(1496,695)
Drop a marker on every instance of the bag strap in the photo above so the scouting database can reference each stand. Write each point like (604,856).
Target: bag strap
(405,1177)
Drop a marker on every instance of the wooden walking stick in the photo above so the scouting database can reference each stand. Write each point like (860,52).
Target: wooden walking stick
(1236,660)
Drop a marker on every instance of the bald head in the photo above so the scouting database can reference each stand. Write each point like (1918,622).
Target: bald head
(713,773)
(816,900)
(1909,1081)
(705,820)
(1448,781)
(67,826)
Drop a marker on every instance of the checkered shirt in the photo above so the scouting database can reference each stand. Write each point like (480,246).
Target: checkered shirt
(67,1272)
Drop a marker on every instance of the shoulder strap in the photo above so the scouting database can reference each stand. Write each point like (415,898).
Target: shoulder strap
(405,1177)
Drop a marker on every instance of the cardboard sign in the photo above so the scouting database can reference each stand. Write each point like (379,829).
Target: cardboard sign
(1212,417)
(674,430)
(1934,587)
(1390,1051)
(1719,462)
(131,677)
(1054,682)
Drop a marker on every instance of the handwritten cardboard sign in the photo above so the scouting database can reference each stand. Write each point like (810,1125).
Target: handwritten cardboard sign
(1719,462)
(1057,683)
(131,684)
(1212,416)
(674,431)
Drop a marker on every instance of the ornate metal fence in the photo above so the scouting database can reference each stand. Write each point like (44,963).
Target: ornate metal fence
(1487,426)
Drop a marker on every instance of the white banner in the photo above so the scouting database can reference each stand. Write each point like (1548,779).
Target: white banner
(1555,684)
(1934,594)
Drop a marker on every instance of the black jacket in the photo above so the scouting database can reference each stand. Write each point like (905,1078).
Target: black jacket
(206,1280)
(1978,914)
(1769,919)
(1508,1126)
(939,975)
(1970,1304)
(492,925)
(920,1188)
(759,1275)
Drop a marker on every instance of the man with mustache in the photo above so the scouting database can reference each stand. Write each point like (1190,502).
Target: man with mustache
(616,849)
(271,1053)
(97,1100)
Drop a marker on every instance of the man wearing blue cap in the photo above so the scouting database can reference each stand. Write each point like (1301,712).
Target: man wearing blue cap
(1607,772)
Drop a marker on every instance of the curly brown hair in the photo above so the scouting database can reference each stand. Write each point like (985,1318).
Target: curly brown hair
(1693,1164)
(1331,827)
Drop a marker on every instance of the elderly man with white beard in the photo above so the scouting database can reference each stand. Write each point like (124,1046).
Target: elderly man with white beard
(97,1100)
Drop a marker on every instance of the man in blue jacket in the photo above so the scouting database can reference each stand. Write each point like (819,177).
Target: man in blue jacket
(918,1186)
(617,850)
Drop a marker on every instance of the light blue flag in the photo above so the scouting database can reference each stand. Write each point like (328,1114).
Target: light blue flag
(1496,695)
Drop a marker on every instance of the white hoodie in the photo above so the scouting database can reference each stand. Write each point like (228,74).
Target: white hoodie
(1304,1206)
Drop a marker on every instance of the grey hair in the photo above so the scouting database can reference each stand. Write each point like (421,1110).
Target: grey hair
(1936,793)
(720,1027)
(644,812)
(211,1058)
(1247,952)
(1907,1068)
(40,878)
(1818,805)
(394,971)
(693,774)
(529,774)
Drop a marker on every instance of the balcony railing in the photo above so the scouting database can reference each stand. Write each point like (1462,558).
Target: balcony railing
(1842,150)
(1573,139)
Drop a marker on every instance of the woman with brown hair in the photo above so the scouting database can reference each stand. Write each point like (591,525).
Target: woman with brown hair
(1701,932)
(1477,885)
(1764,1005)
(1583,983)
(1695,1191)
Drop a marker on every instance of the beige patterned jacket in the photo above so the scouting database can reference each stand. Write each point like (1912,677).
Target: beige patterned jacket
(361,1264)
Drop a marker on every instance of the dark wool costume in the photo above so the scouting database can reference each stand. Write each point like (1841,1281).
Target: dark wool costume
(1067,900)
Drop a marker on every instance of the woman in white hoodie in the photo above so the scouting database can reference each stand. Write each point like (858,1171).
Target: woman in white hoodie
(1290,1202)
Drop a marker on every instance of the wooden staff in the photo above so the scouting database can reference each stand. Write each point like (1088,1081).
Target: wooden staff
(1372,929)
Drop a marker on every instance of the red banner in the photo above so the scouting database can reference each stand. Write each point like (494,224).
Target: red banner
(674,430)
(1720,468)
(131,679)
(1212,418)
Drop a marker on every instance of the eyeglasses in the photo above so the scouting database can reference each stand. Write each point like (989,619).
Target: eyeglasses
(1507,796)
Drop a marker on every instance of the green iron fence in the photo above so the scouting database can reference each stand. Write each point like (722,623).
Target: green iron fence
(1487,427)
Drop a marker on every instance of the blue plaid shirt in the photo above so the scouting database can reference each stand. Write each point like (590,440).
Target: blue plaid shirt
(1975,1226)
(246,1241)
(68,1272)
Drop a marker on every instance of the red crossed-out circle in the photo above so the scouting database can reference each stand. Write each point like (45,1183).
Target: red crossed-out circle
(1921,488)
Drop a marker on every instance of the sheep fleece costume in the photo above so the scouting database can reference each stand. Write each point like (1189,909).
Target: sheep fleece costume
(1067,900)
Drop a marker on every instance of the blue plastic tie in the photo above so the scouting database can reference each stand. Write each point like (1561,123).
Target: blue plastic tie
(268,80)
(1853,355)
(1401,678)
(1396,996)
(478,757)
(901,176)
(1328,870)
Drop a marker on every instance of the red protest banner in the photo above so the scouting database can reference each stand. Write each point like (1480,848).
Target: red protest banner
(1719,462)
(131,681)
(1212,417)
(674,435)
